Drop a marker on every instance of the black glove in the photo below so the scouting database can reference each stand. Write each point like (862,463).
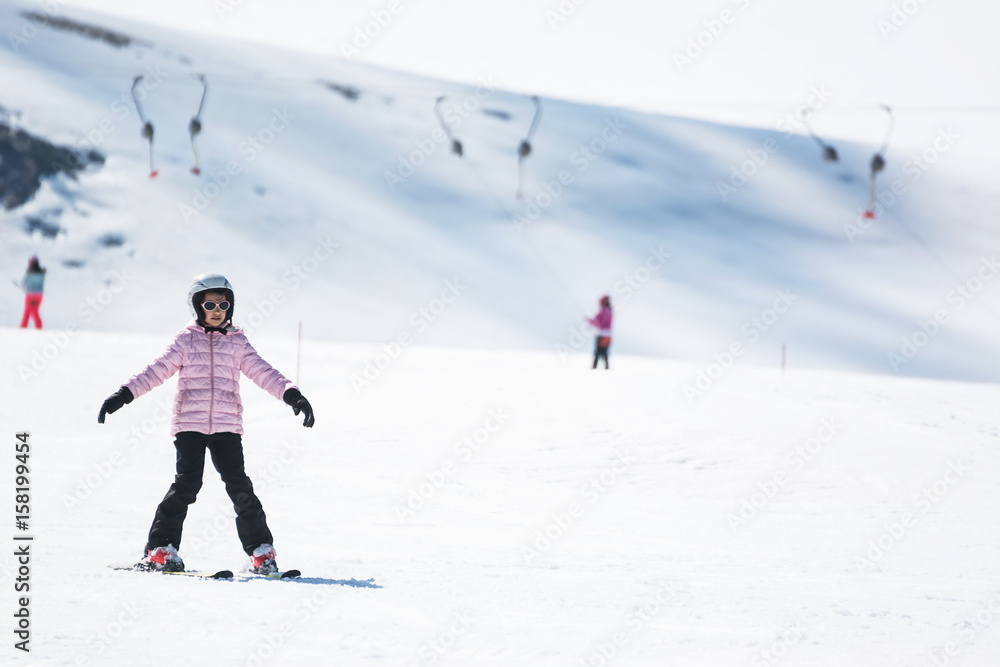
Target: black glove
(299,404)
(115,402)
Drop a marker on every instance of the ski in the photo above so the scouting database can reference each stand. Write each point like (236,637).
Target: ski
(221,574)
(287,574)
(202,574)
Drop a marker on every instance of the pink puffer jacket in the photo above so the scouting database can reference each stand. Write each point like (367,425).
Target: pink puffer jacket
(208,390)
(602,321)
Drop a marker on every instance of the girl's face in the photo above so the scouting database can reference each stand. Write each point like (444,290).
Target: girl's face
(215,317)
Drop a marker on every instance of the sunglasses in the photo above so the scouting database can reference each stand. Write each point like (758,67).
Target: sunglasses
(209,306)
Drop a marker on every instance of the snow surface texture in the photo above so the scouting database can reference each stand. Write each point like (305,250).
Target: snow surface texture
(516,512)
(512,507)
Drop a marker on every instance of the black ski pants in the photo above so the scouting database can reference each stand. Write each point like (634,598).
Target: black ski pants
(227,457)
(600,352)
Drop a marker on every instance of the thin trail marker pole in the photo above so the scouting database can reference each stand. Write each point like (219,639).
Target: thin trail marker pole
(298,360)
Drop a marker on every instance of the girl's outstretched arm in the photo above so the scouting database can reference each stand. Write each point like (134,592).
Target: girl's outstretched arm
(263,374)
(270,380)
(160,370)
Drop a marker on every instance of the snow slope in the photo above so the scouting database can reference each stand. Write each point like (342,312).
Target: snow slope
(513,511)
(299,204)
(742,62)
(510,506)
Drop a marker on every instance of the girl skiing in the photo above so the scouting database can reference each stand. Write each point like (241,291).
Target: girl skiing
(602,322)
(32,284)
(209,353)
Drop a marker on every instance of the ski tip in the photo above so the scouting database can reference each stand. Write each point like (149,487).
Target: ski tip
(142,567)
(291,574)
(221,574)
(196,171)
(154,174)
(869,215)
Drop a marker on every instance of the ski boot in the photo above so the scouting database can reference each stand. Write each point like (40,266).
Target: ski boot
(163,558)
(262,560)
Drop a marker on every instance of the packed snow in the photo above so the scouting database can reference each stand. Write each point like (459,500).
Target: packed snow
(472,493)
(518,508)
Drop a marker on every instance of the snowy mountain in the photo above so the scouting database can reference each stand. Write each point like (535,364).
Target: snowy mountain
(329,194)
(739,62)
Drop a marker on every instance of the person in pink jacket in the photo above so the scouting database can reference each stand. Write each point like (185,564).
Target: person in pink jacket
(602,322)
(209,354)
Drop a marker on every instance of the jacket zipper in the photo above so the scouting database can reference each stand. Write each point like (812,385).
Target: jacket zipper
(211,378)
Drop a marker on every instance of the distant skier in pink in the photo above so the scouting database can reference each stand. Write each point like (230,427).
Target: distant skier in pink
(602,322)
(32,284)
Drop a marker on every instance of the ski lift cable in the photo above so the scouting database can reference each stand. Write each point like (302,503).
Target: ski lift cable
(456,145)
(524,149)
(138,105)
(937,258)
(147,126)
(173,76)
(888,131)
(440,117)
(923,244)
(829,152)
(204,93)
(538,116)
(535,251)
(170,77)
(878,163)
(194,127)
(805,121)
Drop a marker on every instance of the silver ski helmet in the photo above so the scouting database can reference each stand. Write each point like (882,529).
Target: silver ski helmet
(209,282)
